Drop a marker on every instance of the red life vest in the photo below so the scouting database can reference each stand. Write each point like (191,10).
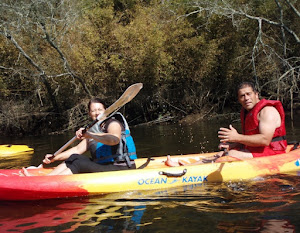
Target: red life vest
(250,126)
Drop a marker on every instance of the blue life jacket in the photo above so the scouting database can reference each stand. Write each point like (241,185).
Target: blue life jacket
(125,151)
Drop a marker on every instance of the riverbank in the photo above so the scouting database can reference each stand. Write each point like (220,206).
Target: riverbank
(49,123)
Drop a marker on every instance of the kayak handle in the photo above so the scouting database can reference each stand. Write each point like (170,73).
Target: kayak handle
(173,174)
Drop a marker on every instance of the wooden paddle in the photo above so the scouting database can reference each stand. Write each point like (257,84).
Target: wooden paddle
(127,96)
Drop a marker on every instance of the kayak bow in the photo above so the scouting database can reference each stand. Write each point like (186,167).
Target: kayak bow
(9,149)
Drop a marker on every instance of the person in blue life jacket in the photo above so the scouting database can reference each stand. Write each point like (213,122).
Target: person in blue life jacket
(111,146)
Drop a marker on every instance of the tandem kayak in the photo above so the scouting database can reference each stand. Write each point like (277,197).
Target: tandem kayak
(153,175)
(15,150)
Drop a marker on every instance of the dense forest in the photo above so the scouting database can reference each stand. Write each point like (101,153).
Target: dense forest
(189,54)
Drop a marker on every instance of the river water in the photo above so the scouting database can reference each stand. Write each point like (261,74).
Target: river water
(269,204)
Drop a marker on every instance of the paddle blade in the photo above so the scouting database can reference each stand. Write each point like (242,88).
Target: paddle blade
(127,96)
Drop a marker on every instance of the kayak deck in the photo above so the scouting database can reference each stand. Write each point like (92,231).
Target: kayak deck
(155,175)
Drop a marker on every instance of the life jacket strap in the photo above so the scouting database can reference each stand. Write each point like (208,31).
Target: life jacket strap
(146,163)
(125,157)
(279,138)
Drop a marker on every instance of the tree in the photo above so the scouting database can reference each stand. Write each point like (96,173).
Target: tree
(274,55)
(37,29)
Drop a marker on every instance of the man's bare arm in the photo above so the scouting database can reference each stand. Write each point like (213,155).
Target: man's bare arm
(269,120)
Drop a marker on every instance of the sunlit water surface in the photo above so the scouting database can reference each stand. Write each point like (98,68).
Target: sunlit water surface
(266,204)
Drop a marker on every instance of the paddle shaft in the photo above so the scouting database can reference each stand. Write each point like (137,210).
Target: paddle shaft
(126,97)
(73,139)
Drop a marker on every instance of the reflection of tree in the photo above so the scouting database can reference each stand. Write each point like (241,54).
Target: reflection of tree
(128,221)
(267,226)
(68,215)
(273,198)
(22,217)
(15,161)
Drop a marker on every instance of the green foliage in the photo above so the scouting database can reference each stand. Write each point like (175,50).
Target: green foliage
(188,55)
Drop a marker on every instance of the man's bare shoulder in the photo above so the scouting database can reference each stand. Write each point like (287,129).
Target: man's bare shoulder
(270,113)
(269,110)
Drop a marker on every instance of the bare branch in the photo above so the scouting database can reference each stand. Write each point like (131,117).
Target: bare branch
(42,74)
(225,9)
(65,61)
(293,7)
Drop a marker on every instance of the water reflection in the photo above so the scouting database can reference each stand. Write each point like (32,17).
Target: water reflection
(270,205)
(15,161)
(27,216)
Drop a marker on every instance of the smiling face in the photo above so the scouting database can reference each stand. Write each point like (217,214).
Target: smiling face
(95,110)
(247,97)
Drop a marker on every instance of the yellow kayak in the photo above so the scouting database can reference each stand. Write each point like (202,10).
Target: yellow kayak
(9,149)
(153,174)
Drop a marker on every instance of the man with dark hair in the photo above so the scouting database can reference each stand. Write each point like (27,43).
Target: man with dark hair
(263,126)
